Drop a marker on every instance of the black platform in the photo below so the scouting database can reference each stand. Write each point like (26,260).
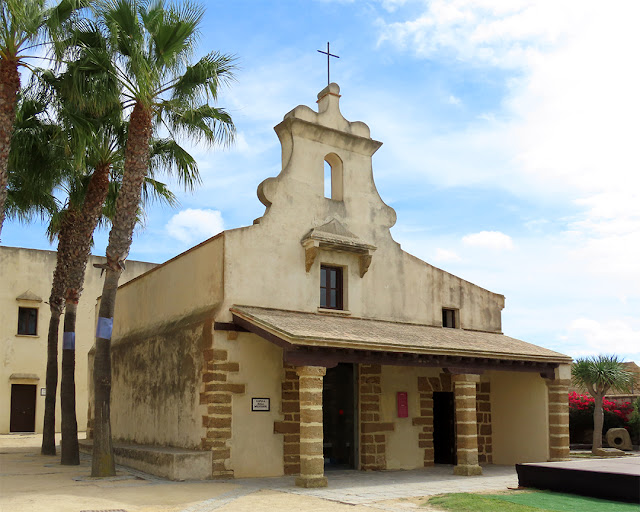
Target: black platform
(612,479)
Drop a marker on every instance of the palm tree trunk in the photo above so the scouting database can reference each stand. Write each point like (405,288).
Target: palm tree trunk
(135,168)
(56,305)
(9,87)
(49,428)
(81,246)
(598,422)
(69,446)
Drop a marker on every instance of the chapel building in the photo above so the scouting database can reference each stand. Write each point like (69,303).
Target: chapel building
(311,339)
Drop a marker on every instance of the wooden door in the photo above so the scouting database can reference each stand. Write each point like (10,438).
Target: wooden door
(23,408)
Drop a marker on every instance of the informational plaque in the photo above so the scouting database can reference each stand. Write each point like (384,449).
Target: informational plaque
(403,404)
(260,404)
(43,391)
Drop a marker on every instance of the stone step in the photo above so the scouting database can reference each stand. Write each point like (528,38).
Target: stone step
(164,461)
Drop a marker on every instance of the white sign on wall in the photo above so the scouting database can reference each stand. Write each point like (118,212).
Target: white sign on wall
(260,404)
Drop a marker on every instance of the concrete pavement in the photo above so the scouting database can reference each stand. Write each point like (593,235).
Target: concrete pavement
(31,482)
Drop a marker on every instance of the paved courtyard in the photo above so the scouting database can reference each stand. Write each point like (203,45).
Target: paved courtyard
(32,482)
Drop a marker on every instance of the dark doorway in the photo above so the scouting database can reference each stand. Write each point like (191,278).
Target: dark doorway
(23,408)
(338,416)
(444,428)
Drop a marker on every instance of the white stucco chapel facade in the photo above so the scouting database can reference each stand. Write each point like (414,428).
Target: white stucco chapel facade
(311,339)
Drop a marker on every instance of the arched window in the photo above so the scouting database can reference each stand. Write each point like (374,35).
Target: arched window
(333,183)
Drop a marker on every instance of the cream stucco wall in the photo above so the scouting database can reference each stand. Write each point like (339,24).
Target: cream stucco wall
(402,443)
(161,322)
(265,262)
(190,282)
(519,414)
(257,451)
(29,269)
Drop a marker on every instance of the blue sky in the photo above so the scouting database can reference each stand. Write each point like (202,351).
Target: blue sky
(510,154)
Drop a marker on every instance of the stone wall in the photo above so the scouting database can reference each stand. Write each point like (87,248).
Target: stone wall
(558,418)
(217,395)
(373,439)
(483,407)
(290,425)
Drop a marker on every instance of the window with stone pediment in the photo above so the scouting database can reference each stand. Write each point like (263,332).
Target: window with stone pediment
(28,321)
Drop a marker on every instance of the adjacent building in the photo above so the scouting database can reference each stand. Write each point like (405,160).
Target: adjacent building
(25,285)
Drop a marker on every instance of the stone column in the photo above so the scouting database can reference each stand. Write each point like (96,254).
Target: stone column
(558,389)
(311,436)
(466,425)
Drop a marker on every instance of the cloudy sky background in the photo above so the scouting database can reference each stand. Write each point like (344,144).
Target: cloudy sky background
(511,145)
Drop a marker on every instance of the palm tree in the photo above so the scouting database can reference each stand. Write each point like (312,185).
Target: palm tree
(150,44)
(37,166)
(82,133)
(41,159)
(25,25)
(598,375)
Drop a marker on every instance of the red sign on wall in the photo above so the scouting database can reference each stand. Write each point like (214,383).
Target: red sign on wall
(403,404)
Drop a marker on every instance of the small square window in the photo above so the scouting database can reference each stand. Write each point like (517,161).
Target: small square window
(331,287)
(28,321)
(449,318)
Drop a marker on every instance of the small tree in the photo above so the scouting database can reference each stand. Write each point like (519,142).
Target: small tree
(598,375)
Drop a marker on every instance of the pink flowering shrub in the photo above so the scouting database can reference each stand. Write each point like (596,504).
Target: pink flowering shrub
(581,416)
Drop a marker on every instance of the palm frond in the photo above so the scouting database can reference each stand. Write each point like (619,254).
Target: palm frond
(202,80)
(173,32)
(37,164)
(168,156)
(154,191)
(205,123)
(600,374)
(22,23)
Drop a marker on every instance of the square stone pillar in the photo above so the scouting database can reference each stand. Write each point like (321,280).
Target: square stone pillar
(558,390)
(311,435)
(466,425)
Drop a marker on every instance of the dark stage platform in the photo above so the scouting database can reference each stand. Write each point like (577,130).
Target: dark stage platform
(613,479)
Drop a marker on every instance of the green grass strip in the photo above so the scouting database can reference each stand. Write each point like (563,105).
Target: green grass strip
(465,502)
(528,502)
(560,502)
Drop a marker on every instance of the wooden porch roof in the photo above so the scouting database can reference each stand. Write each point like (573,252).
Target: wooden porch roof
(326,339)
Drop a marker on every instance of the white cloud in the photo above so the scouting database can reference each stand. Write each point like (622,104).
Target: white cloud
(567,124)
(392,5)
(483,31)
(192,226)
(611,337)
(488,240)
(453,100)
(445,255)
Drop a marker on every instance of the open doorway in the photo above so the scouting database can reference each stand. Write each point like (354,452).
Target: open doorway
(444,428)
(339,417)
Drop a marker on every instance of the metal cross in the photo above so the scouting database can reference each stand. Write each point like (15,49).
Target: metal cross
(329,55)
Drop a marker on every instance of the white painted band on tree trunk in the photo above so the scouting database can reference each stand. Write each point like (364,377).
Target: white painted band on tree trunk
(69,341)
(105,327)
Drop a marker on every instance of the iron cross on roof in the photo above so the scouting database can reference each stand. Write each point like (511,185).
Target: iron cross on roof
(329,55)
